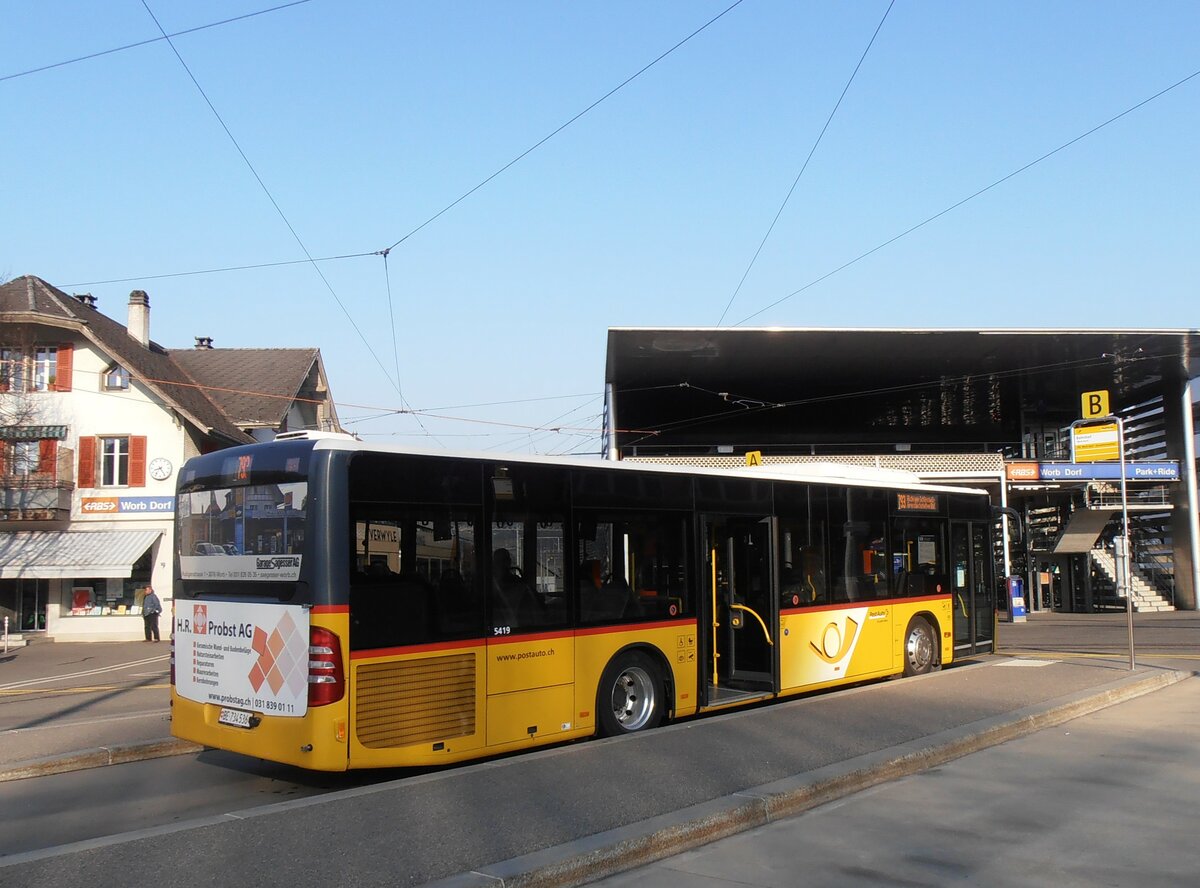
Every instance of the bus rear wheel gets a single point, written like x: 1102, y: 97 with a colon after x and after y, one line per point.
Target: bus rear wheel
x: 919, y: 648
x: 631, y: 696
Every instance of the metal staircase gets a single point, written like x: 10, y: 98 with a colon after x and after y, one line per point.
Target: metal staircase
x: 1144, y: 596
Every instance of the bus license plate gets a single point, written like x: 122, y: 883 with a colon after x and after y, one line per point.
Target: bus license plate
x: 239, y: 718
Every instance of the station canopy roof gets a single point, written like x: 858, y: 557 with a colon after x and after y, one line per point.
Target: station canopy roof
x: 679, y: 387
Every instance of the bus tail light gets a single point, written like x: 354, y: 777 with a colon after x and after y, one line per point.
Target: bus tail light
x: 172, y: 659
x: 326, y: 682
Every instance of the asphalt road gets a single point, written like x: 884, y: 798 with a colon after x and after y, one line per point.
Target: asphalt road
x: 58, y: 698
x: 94, y: 803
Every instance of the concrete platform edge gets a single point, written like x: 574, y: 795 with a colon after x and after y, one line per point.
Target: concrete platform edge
x: 614, y: 851
x: 98, y: 757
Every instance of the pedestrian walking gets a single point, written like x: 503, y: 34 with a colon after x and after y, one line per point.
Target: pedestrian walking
x: 151, y: 608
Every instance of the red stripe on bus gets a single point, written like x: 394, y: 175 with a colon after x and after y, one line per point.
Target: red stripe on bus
x: 634, y: 627
x: 331, y: 608
x: 516, y: 639
x: 881, y: 602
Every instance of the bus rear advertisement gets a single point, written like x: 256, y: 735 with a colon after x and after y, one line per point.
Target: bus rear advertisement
x: 340, y: 605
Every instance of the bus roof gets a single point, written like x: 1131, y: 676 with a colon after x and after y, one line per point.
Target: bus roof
x: 811, y: 473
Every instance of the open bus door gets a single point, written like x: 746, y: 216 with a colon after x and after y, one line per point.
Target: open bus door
x: 742, y: 610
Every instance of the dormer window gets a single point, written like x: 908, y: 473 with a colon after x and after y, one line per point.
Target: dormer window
x: 116, y: 379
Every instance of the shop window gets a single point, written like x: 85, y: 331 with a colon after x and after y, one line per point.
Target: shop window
x: 23, y: 601
x: 110, y: 597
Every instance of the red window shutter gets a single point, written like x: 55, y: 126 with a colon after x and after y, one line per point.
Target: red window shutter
x: 62, y: 373
x: 47, y: 456
x: 137, y: 460
x: 3, y: 452
x: 87, y: 462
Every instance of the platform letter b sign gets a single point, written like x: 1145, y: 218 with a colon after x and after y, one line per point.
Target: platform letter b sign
x: 1095, y: 404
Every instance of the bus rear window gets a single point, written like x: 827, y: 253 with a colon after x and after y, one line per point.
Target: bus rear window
x: 253, y: 532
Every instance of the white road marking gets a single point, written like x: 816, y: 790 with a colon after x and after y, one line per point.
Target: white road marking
x: 103, y: 669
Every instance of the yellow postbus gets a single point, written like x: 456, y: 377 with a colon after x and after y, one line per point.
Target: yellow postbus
x: 340, y: 605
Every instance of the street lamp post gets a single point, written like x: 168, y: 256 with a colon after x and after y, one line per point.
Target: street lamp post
x: 1124, y: 571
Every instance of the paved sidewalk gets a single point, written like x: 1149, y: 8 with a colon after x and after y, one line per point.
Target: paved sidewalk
x: 1106, y: 799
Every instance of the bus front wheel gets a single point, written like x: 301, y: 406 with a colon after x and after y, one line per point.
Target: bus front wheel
x: 631, y: 695
x: 920, y: 650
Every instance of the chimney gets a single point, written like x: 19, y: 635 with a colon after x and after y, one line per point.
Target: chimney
x: 203, y: 342
x: 86, y: 299
x: 139, y: 316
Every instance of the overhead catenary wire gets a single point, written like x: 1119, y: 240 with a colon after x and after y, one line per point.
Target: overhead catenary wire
x: 395, y: 346
x: 115, y: 49
x: 766, y: 308
x: 385, y: 252
x: 175, y: 274
x: 444, y: 210
x: 538, y: 144
x: 971, y: 197
x: 553, y: 430
x: 790, y: 295
x: 804, y: 166
x: 382, y: 412
x: 265, y: 189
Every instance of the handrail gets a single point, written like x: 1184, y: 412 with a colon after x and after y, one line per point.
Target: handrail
x: 742, y: 607
x: 1159, y: 572
x: 715, y: 624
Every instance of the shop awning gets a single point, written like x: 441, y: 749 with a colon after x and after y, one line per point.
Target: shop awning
x: 54, y: 554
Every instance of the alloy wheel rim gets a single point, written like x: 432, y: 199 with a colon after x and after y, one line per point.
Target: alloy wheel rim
x: 633, y: 698
x: 920, y: 649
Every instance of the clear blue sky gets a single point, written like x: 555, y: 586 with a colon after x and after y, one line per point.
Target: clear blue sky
x: 365, y: 119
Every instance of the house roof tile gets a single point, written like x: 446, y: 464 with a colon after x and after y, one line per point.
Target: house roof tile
x: 151, y: 364
x: 254, y: 386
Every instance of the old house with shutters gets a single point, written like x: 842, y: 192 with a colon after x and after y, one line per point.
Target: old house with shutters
x: 95, y: 420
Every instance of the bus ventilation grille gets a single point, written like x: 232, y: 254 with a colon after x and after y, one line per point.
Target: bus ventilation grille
x: 415, y: 701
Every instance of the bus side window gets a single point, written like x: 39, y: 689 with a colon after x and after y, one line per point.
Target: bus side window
x: 527, y: 587
x: 802, y: 571
x: 413, y: 579
x: 632, y: 569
